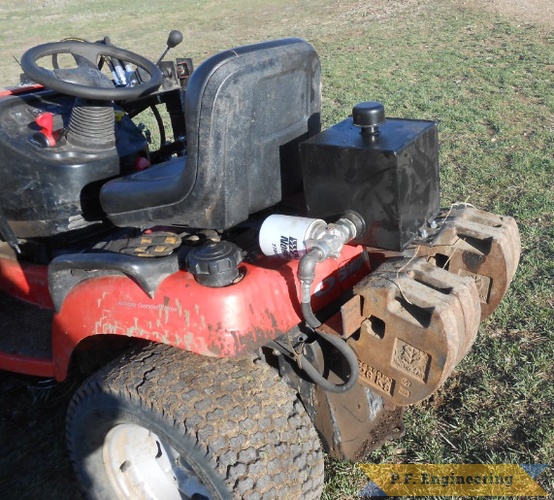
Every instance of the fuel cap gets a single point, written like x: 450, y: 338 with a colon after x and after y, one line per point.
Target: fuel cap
x: 215, y: 264
x: 368, y: 116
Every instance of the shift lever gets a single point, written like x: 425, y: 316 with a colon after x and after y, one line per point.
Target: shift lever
x: 175, y: 38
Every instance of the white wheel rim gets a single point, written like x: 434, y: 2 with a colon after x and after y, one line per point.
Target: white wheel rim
x: 140, y: 465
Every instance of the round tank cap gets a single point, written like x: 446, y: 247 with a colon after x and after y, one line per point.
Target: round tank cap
x: 368, y: 115
x: 215, y: 264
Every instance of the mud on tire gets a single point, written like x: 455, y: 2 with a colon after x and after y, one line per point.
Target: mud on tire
x: 219, y: 428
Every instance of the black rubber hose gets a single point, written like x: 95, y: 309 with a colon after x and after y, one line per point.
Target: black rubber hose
x: 306, y: 274
x: 350, y: 357
x: 309, y: 316
x: 313, y: 373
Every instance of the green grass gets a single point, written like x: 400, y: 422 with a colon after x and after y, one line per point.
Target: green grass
x: 489, y: 82
x: 490, y: 85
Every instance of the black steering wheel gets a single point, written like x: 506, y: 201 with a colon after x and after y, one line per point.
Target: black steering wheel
x: 86, y: 80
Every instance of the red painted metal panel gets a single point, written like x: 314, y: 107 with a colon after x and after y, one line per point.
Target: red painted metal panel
x: 25, y: 281
x: 220, y: 322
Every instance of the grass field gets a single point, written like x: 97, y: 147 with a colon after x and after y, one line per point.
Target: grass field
x: 488, y: 81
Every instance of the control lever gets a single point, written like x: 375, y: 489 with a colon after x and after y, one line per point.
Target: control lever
x: 175, y: 38
x: 45, y: 137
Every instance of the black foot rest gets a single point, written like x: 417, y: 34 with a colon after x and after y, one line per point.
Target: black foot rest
x: 158, y: 244
x: 147, y: 244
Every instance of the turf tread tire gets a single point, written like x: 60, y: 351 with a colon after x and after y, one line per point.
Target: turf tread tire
x: 247, y: 426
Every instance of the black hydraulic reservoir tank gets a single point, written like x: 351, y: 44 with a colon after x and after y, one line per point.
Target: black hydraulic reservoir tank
x: 386, y: 170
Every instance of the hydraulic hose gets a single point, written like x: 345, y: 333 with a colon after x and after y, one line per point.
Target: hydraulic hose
x: 349, y: 356
x: 306, y: 274
x: 327, y: 243
x: 313, y: 373
x: 309, y: 315
x: 320, y: 241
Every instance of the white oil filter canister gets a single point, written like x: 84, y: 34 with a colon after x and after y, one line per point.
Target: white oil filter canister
x: 286, y: 235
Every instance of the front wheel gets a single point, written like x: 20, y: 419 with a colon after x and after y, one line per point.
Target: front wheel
x: 161, y: 423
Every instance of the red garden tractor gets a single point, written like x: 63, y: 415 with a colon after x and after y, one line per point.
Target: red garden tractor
x: 247, y: 294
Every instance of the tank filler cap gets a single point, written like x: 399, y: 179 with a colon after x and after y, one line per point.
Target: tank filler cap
x: 215, y: 264
x: 368, y: 116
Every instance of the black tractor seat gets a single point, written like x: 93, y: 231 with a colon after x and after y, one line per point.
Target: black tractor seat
x: 163, y: 184
x: 246, y: 110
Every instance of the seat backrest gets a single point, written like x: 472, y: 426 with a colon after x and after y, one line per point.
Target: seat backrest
x: 246, y: 110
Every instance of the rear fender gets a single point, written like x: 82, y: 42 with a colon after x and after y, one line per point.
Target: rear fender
x: 217, y: 322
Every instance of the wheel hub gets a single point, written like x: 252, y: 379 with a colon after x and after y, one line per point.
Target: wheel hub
x: 140, y: 465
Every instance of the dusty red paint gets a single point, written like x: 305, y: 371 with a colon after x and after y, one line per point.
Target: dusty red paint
x: 220, y: 322
x: 25, y: 281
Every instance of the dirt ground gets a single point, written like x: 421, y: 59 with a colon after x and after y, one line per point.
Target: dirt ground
x: 533, y: 11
